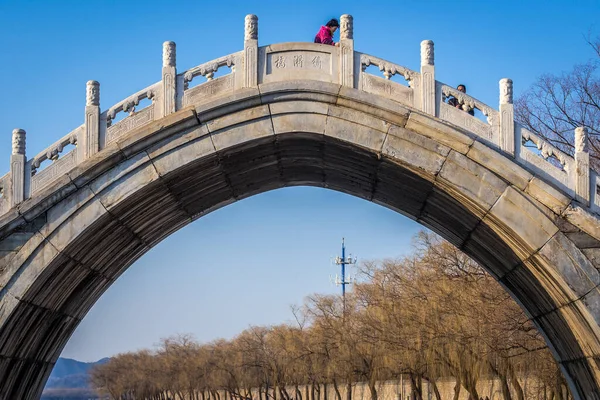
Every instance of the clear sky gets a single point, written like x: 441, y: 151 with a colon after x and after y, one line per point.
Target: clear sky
x: 248, y: 262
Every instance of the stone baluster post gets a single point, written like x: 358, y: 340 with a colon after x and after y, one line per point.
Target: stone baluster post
x: 427, y: 78
x: 507, y: 117
x: 346, y: 49
x: 89, y: 144
x: 17, y: 168
x: 582, y: 166
x: 169, y: 79
x: 250, y: 51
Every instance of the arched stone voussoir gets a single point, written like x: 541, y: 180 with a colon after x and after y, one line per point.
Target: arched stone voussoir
x: 588, y: 372
x: 415, y: 152
x: 356, y: 127
x: 520, y: 223
x: 570, y: 332
x: 561, y: 256
x: 241, y: 127
x: 306, y: 90
x: 475, y: 186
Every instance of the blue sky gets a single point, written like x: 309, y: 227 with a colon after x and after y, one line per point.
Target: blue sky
x: 247, y: 263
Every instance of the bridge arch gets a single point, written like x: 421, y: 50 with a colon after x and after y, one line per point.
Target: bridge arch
x: 65, y: 241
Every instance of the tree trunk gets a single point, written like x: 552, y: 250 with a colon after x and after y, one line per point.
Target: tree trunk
x: 436, y: 391
x: 338, y: 395
x: 504, y: 386
x: 416, y: 387
x: 515, y: 383
x: 373, y: 389
x: 349, y: 390
x: 298, y: 393
x: 306, y: 393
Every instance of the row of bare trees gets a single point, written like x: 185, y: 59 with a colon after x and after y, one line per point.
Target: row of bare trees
x: 429, y: 317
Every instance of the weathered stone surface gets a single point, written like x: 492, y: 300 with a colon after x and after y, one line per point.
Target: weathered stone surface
x: 521, y: 219
x: 472, y: 181
x: 299, y: 116
x: 499, y: 164
x: 439, y: 132
x: 378, y: 106
x: 415, y: 151
x: 547, y: 195
x: 582, y: 219
x: 182, y: 150
x: 356, y: 127
x: 570, y: 264
x: 128, y: 184
x: 155, y: 131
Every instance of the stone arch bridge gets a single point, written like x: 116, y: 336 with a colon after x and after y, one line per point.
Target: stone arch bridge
x: 75, y: 216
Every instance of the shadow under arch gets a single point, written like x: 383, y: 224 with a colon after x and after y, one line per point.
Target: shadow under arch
x: 164, y: 177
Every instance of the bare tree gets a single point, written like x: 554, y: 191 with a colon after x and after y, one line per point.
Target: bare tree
x: 556, y: 104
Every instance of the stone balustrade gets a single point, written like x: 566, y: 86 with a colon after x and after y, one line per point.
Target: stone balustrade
x: 256, y: 65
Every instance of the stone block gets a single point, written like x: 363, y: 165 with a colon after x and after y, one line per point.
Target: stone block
x: 192, y: 150
x: 582, y: 240
x: 62, y: 211
x: 76, y: 224
x: 471, y: 183
x: 91, y: 168
x: 499, y: 164
x: 245, y: 130
x: 570, y: 264
x: 127, y: 184
x: 516, y: 219
x: 418, y: 153
x: 177, y: 140
x: 547, y: 195
x: 304, y: 90
x: 240, y: 100
x: 353, y: 133
x: 299, y: 123
x: 119, y: 171
x: 59, y: 189
x: 582, y: 219
x: 377, y: 106
x: 139, y: 139
x: 298, y: 107
x: 440, y: 132
x: 20, y: 257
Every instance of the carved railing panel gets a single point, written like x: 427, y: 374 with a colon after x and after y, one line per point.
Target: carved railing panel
x: 489, y: 130
x: 384, y: 86
x: 62, y: 161
x: 4, y: 188
x: 558, y: 170
x: 298, y: 61
x: 211, y: 86
x: 135, y: 119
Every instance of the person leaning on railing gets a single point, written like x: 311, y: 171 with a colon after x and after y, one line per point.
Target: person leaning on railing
x: 325, y: 35
x: 453, y: 101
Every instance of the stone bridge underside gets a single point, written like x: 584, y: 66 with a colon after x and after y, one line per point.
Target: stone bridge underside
x: 68, y: 244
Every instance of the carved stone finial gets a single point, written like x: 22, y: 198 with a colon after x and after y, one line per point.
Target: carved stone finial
x: 506, y: 91
x: 427, y: 52
x: 92, y: 93
x: 251, y: 27
x: 346, y: 27
x: 169, y: 54
x: 18, y: 141
x: 581, y: 140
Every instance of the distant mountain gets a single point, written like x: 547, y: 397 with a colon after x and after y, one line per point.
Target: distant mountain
x: 69, y: 379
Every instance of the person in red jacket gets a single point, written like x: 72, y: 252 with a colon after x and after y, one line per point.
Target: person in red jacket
x: 325, y: 35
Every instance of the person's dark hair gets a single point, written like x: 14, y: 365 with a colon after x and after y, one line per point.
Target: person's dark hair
x: 462, y: 86
x: 333, y: 22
